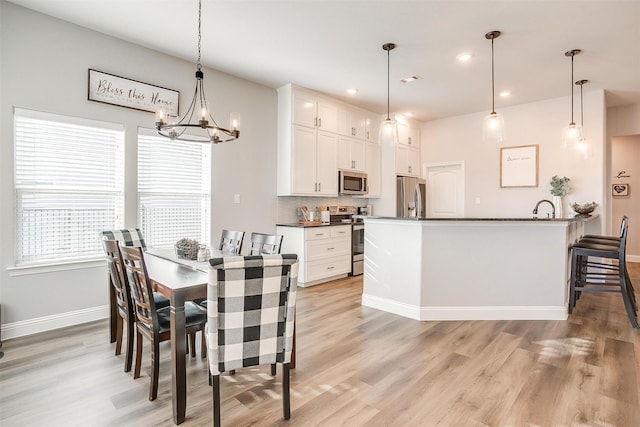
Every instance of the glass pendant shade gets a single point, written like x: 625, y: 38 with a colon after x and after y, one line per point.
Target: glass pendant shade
x: 493, y: 128
x: 572, y: 135
x: 389, y: 132
x: 584, y: 149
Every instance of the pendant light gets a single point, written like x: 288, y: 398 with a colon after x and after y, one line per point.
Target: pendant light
x: 205, y: 129
x: 572, y: 133
x: 389, y: 127
x: 493, y: 129
x: 583, y: 146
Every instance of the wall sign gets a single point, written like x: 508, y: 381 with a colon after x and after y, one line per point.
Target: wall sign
x: 620, y: 189
x: 519, y: 166
x: 112, y: 89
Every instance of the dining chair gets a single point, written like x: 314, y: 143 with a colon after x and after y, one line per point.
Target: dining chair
x: 265, y: 244
x: 151, y: 322
x: 123, y: 300
x: 133, y: 237
x: 231, y: 241
x: 250, y: 317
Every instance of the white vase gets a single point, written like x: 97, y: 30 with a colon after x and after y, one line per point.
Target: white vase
x: 557, y: 203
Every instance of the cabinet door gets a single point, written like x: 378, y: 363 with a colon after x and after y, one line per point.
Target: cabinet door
x: 304, y: 161
x: 304, y: 109
x: 327, y: 164
x: 413, y: 162
x: 344, y: 121
x: 402, y: 160
x: 357, y: 155
x: 414, y: 136
x: 327, y: 116
x: 372, y: 163
x: 358, y: 120
x: 372, y: 128
x: 344, y: 153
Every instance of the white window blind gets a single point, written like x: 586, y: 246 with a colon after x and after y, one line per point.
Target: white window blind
x: 69, y: 182
x: 174, y: 189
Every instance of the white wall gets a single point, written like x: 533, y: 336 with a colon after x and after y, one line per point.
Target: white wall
x: 44, y: 67
x: 460, y: 139
x: 625, y: 160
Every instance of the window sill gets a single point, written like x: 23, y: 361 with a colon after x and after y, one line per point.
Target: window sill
x: 25, y: 270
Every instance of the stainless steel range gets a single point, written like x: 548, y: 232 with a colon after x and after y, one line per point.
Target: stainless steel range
x: 345, y: 215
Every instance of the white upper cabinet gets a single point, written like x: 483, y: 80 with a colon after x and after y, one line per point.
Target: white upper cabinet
x: 408, y: 132
x: 371, y: 127
x: 408, y: 149
x: 314, y: 112
x: 351, y: 154
x: 351, y: 122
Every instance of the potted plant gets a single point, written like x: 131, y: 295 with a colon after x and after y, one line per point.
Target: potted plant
x: 559, y: 189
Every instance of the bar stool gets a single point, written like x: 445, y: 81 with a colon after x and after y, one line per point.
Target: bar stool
x: 589, y: 275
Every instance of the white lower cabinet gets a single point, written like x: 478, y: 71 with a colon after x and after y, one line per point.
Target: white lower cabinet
x: 324, y: 252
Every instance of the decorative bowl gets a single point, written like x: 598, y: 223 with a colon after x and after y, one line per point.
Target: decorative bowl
x: 585, y: 209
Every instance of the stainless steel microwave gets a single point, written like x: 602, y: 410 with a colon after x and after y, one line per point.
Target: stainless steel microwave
x: 352, y: 183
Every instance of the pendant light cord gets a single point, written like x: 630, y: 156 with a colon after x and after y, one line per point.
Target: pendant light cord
x: 493, y: 91
x: 572, y: 55
x: 581, y: 105
x: 199, y: 64
x: 388, y: 73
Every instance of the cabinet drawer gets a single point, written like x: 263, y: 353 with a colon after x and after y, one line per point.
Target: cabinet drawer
x: 321, y: 249
x: 320, y: 269
x: 316, y: 233
x: 341, y: 231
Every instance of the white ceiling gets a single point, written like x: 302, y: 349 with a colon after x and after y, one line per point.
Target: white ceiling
x: 330, y: 46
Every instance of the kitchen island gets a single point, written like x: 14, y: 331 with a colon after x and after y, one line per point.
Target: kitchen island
x: 471, y: 268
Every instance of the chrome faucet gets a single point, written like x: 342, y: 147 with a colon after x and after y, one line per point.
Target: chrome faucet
x: 553, y: 208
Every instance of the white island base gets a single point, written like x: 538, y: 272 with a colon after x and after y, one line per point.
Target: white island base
x: 471, y: 269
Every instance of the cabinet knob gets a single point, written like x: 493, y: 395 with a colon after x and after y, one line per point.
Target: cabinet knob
x: 409, y: 140
x: 320, y: 122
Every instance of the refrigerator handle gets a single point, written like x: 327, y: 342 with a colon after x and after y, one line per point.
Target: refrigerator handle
x: 418, y: 201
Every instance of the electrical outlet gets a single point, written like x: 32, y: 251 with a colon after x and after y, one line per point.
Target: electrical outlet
x: 236, y: 198
x: 477, y: 200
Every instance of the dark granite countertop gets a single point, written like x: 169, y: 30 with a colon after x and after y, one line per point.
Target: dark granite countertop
x: 530, y: 219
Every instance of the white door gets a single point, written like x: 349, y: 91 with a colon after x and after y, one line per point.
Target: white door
x: 445, y: 193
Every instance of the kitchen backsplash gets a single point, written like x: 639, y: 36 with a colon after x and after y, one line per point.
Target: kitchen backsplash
x: 288, y: 206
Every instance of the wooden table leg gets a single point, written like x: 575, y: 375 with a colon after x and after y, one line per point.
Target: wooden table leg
x: 113, y: 312
x: 178, y: 356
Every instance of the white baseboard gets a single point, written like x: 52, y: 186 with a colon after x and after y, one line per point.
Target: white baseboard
x: 633, y: 258
x: 56, y: 321
x: 466, y: 313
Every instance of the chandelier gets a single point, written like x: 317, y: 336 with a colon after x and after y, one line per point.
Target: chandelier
x: 203, y: 128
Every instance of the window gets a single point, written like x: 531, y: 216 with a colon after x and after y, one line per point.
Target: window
x: 174, y: 190
x: 69, y: 185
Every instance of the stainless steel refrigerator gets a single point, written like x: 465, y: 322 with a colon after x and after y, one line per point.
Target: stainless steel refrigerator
x: 411, y: 197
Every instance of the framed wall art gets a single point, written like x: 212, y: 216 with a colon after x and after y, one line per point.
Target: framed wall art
x: 620, y: 189
x: 519, y: 166
x: 123, y: 92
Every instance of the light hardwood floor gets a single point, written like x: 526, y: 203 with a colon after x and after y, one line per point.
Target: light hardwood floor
x: 356, y: 366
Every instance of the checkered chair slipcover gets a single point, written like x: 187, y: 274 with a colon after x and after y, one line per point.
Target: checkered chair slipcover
x: 250, y: 315
x: 126, y: 237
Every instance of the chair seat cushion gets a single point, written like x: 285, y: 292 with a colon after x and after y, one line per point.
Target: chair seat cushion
x: 161, y: 301
x: 194, y: 316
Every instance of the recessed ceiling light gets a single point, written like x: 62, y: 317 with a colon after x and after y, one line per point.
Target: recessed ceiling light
x: 408, y: 113
x: 464, y: 56
x: 409, y: 79
x: 505, y: 94
x: 352, y: 91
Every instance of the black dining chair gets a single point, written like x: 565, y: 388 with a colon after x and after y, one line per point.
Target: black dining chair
x: 250, y: 320
x: 152, y: 322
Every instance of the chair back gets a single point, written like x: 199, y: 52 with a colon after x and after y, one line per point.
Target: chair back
x: 623, y: 224
x: 250, y: 310
x: 126, y: 237
x: 265, y: 244
x: 117, y: 275
x: 141, y: 292
x: 231, y: 241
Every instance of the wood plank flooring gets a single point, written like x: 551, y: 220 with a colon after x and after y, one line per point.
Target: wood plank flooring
x: 356, y: 366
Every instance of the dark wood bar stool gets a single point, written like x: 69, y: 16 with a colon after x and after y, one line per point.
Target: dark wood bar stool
x: 590, y: 275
